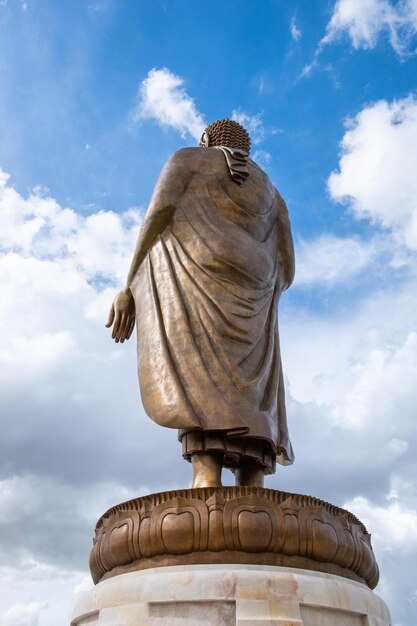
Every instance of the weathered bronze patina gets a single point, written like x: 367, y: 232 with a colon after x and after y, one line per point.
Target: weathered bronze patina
x: 232, y: 525
x: 214, y: 254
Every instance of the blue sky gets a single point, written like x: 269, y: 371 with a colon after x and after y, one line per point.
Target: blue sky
x: 72, y: 72
x: 94, y: 97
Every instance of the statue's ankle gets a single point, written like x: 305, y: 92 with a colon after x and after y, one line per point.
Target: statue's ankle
x: 249, y: 476
x: 207, y: 470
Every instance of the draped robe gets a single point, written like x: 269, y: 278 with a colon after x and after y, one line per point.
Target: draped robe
x: 206, y: 296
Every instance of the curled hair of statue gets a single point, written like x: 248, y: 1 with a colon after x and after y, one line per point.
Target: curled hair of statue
x: 227, y: 133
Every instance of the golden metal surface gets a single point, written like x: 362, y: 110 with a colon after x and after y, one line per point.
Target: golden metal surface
x: 207, y: 469
x: 214, y: 254
x: 232, y: 525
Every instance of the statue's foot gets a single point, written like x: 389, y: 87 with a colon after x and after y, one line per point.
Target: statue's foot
x: 207, y: 470
x: 249, y: 475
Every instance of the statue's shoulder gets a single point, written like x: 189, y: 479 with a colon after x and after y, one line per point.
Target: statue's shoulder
x: 194, y: 159
x: 183, y: 159
x: 184, y: 155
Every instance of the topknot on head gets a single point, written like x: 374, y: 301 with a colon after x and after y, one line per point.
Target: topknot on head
x: 227, y: 133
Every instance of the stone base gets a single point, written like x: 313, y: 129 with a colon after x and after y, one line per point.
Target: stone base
x: 229, y: 595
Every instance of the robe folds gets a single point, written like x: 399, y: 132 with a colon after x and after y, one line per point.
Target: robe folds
x: 206, y: 297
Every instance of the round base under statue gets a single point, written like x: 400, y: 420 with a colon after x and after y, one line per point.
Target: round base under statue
x: 235, y: 525
x: 229, y: 595
x: 229, y: 556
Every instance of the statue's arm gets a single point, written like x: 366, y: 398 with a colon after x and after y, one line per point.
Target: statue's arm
x: 285, y: 243
x: 156, y: 220
x: 171, y: 184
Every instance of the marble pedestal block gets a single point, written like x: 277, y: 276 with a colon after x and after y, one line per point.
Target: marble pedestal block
x: 229, y: 595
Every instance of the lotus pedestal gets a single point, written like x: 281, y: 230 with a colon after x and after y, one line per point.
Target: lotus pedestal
x: 231, y: 556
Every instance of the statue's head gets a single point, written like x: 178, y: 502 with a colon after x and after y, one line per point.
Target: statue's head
x: 226, y: 133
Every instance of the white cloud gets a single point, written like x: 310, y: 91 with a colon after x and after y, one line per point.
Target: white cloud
x: 47, y: 594
x: 376, y: 175
x: 54, y: 554
x: 294, y: 30
x: 38, y: 228
x: 46, y: 349
x: 262, y: 158
x: 162, y: 97
x: 23, y: 4
x: 85, y: 584
x: 365, y: 20
x: 54, y: 267
x: 328, y: 259
x: 395, y: 525
x: 261, y: 85
x: 359, y: 367
x: 69, y: 399
x: 28, y: 499
x: 17, y: 498
x: 21, y: 614
x: 382, y: 383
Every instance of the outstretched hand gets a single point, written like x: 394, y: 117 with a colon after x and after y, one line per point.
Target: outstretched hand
x: 122, y: 316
